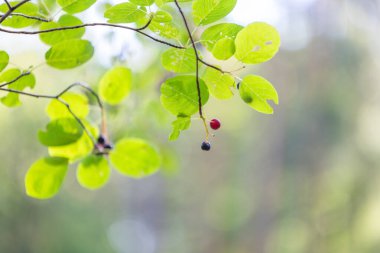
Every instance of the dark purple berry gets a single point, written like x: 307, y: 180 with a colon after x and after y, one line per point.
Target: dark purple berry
x: 206, y: 146
x: 215, y: 124
x: 101, y: 140
x: 108, y: 146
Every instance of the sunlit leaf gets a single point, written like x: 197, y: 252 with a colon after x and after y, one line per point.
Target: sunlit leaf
x: 44, y: 178
x: 257, y: 43
x: 4, y: 60
x: 135, y: 158
x: 179, y: 95
x: 10, y: 75
x: 75, y: 6
x: 69, y: 54
x: 125, y: 13
x: 224, y: 49
x: 115, y: 85
x: 142, y: 2
x: 93, y: 172
x: 208, y: 11
x: 79, y: 149
x: 14, y: 21
x: 219, y: 84
x: 160, y: 3
x: 55, y: 37
x: 162, y: 16
x: 78, y: 104
x: 60, y: 132
x: 179, y: 60
x: 165, y: 29
x: 219, y: 39
x: 180, y: 124
x: 256, y: 91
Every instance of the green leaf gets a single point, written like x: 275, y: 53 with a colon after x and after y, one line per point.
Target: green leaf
x: 255, y: 91
x: 55, y: 37
x: 162, y: 17
x: 125, y: 13
x: 21, y: 83
x: 60, y: 132
x: 160, y: 3
x: 78, y: 149
x: 12, y: 99
x: 219, y: 39
x: 179, y: 95
x: 115, y: 85
x: 29, y: 9
x: 257, y: 43
x: 75, y: 6
x: 4, y: 60
x: 44, y: 178
x: 167, y: 29
x: 78, y: 104
x: 135, y: 158
x: 180, y: 124
x: 179, y: 60
x: 224, y: 49
x: 219, y: 85
x: 93, y: 172
x: 69, y: 54
x: 208, y: 11
x: 142, y: 2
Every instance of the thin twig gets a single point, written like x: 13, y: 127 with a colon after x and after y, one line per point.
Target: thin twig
x: 98, y: 100
x: 77, y: 119
x: 9, y: 6
x: 197, y: 69
x: 138, y: 30
x: 197, y: 58
x: 212, y: 66
x: 29, y: 17
x: 15, y: 80
x: 58, y: 98
x: 221, y: 70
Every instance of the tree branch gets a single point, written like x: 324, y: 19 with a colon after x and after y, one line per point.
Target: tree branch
x: 138, y: 30
x: 29, y: 17
x: 7, y: 3
x: 15, y: 80
x: 59, y: 99
x: 98, y: 100
x: 212, y: 66
x: 198, y: 59
x: 12, y: 9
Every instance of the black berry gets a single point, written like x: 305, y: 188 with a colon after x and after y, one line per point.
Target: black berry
x: 215, y: 124
x: 206, y: 146
x: 108, y: 146
x: 101, y: 140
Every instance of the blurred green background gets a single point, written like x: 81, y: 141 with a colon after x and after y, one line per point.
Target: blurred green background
x: 306, y: 179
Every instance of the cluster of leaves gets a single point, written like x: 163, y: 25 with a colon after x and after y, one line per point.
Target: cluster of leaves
x: 71, y: 137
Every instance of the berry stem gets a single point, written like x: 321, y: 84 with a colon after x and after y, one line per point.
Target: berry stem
x: 206, y: 128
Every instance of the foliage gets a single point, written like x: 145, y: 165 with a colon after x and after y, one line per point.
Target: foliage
x: 72, y: 138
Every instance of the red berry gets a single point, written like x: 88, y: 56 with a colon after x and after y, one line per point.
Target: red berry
x: 215, y: 124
